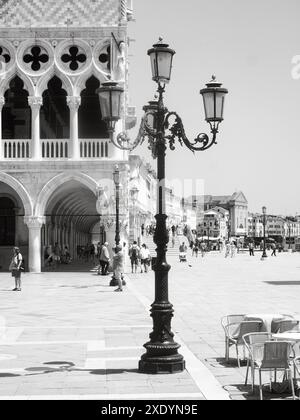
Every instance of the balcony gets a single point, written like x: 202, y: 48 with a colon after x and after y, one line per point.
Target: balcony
x: 16, y: 149
x: 56, y: 149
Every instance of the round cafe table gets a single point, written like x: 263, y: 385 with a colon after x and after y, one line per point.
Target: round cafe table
x: 266, y: 319
x: 293, y: 336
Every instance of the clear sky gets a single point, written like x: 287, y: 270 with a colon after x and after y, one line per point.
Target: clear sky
x: 249, y: 45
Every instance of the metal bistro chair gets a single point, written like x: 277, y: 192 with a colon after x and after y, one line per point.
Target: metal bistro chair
x: 285, y: 325
x: 234, y: 332
x: 254, y: 343
x: 275, y: 357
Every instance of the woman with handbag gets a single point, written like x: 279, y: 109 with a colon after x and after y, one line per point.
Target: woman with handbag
x: 15, y: 268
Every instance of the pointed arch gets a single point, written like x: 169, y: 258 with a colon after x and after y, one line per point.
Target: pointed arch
x: 5, y: 82
x: 20, y: 190
x: 81, y: 81
x: 42, y: 84
x: 57, y: 181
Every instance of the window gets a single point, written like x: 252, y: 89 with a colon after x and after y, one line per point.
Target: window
x: 55, y: 113
x: 16, y: 114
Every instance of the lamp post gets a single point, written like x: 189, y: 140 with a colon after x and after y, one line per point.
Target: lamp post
x: 100, y: 192
x: 264, y: 254
x: 162, y: 128
x: 134, y: 192
x: 208, y: 244
x: 228, y: 227
x: 289, y: 228
x: 116, y: 178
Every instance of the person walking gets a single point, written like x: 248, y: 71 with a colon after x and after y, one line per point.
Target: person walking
x: 56, y: 255
x: 196, y: 249
x: 104, y: 259
x: 15, y: 268
x: 273, y: 247
x: 145, y: 258
x: 233, y: 248
x: 202, y: 248
x: 134, y: 252
x: 227, y: 249
x: 251, y: 249
x: 118, y: 267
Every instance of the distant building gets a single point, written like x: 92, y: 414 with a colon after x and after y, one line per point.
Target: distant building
x: 236, y: 205
x: 214, y: 224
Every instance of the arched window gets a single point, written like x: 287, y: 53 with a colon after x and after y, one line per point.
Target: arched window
x: 7, y: 222
x: 55, y: 113
x: 16, y: 113
x: 91, y: 125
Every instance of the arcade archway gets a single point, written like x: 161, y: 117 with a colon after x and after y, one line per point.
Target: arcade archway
x: 70, y: 219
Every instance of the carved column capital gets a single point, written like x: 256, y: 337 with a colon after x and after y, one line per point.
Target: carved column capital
x: 35, y: 102
x: 74, y: 102
x: 34, y: 222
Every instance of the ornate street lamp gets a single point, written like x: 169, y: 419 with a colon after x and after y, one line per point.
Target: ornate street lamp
x: 100, y: 192
x: 116, y: 178
x: 163, y: 128
x: 134, y: 192
x: 264, y: 254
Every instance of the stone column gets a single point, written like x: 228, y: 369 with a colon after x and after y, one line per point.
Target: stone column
x: 2, y: 102
x: 34, y: 256
x: 35, y: 103
x: 74, y: 103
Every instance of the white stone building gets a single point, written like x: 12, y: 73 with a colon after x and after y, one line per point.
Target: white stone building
x: 55, y: 151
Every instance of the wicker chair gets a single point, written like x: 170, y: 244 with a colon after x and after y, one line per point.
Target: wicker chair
x: 273, y: 356
x: 235, y: 330
x: 254, y: 343
x: 285, y: 325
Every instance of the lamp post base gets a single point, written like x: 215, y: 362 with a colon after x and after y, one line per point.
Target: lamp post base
x: 264, y: 256
x: 157, y: 360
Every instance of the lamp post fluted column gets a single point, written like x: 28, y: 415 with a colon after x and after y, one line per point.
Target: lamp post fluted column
x: 161, y: 351
x: 264, y: 254
x: 116, y: 176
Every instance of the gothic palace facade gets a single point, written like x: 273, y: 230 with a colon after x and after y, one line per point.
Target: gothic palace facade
x: 55, y: 152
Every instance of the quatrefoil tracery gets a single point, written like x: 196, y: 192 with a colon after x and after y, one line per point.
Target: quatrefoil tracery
x: 74, y: 58
x: 37, y: 57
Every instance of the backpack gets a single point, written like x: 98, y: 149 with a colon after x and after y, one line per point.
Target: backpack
x: 134, y: 253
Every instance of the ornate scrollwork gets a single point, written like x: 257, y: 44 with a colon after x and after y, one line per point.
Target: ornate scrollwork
x: 123, y: 142
x: 201, y: 142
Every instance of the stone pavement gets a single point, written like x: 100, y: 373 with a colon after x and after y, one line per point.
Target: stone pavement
x: 205, y: 289
x: 68, y: 335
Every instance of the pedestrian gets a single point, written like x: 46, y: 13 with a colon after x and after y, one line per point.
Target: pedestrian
x: 145, y: 258
x: 195, y: 250
x: 134, y: 252
x: 118, y: 267
x: 143, y: 229
x: 202, y: 248
x: 56, y: 254
x: 233, y: 249
x: 273, y: 247
x: 173, y: 241
x: 104, y: 259
x: 15, y: 268
x: 227, y: 249
x: 173, y: 228
x: 251, y: 249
